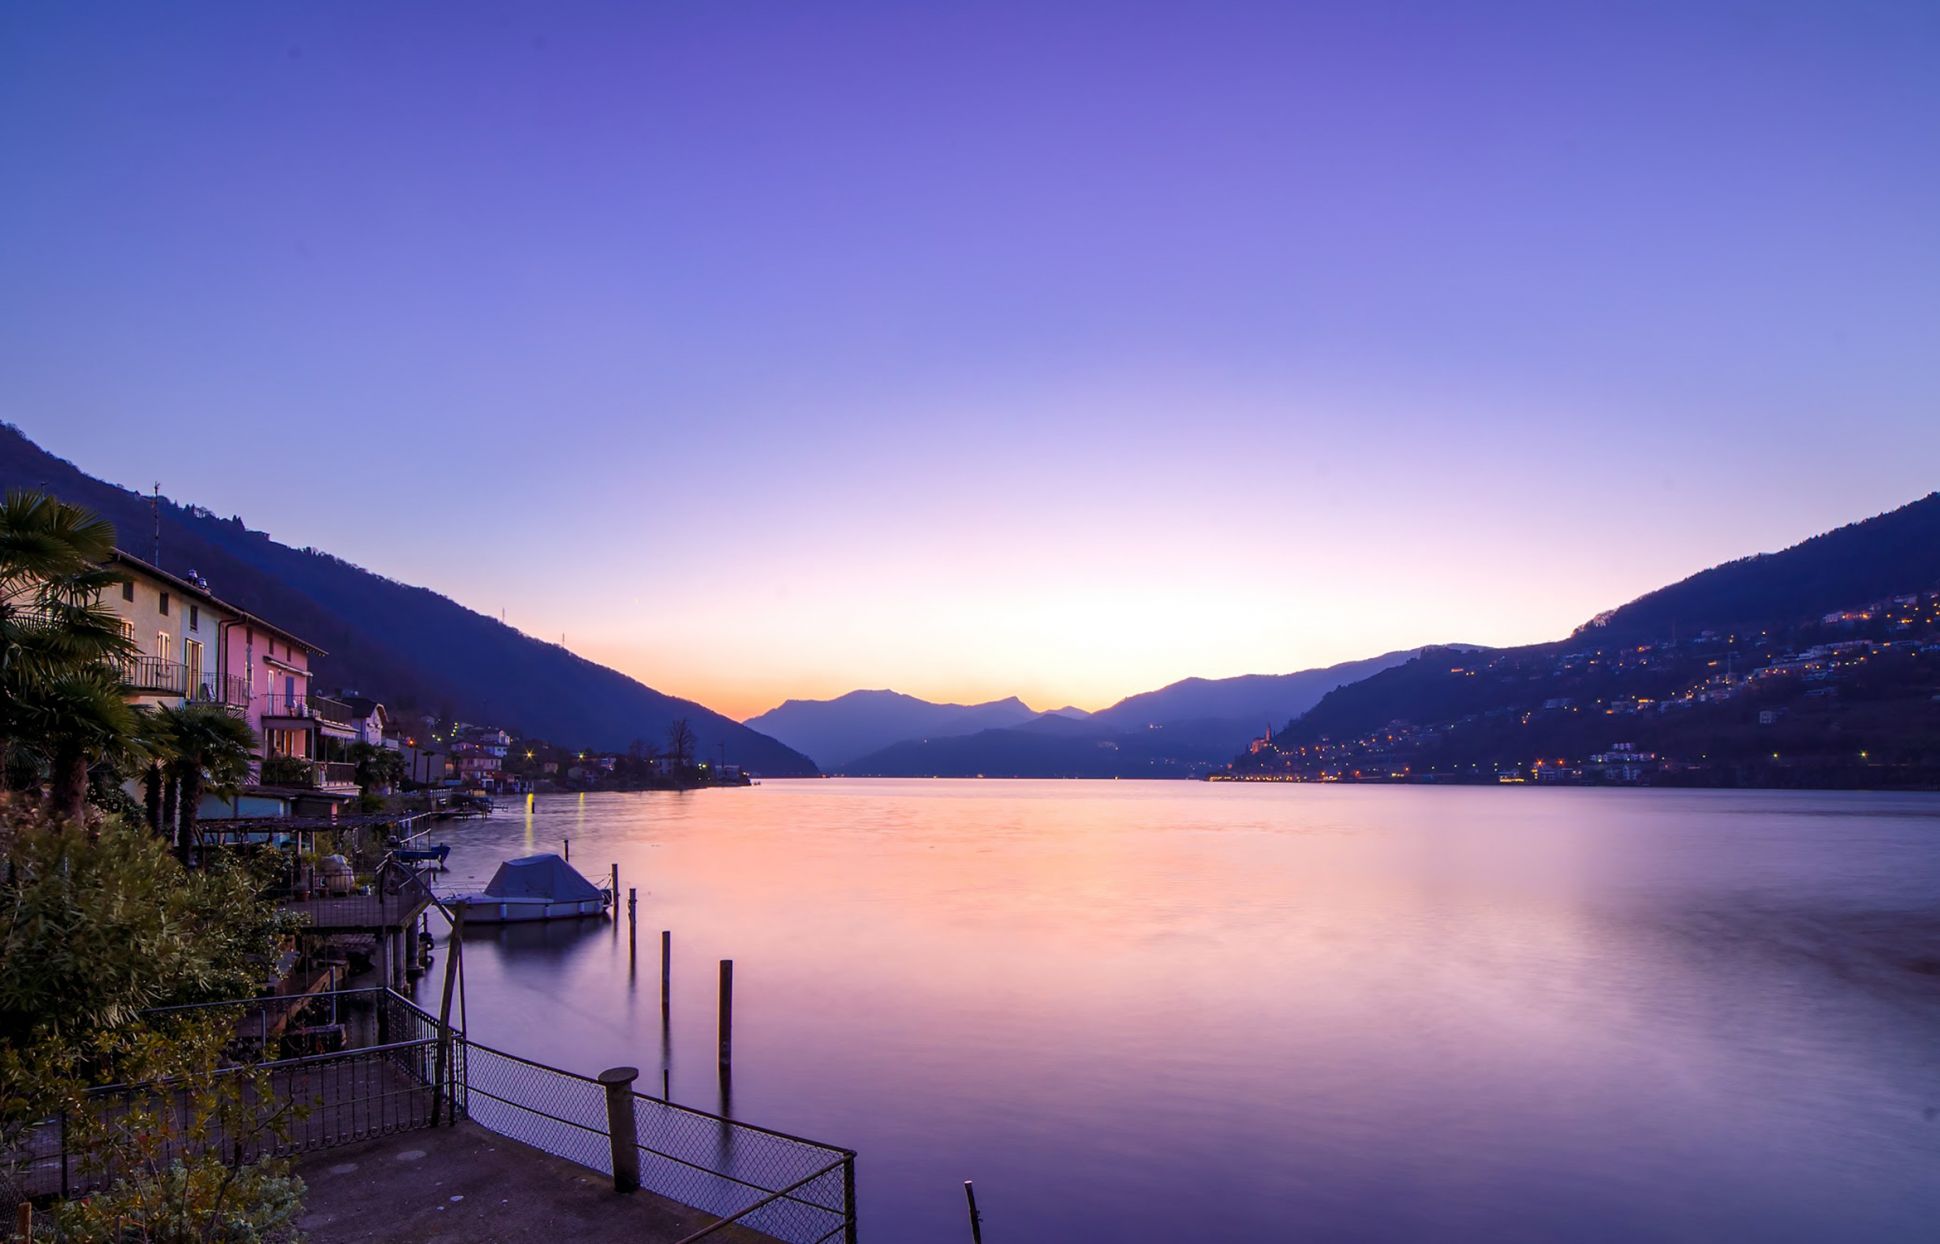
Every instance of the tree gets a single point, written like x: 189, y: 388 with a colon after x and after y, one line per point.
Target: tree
x: 157, y: 742
x: 82, y: 720
x: 59, y: 685
x: 212, y: 749
x: 379, y: 769
x: 681, y: 742
x: 94, y: 929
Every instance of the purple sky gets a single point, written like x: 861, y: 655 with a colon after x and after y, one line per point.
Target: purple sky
x: 1065, y: 350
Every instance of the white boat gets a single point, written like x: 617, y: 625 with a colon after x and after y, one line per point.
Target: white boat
x: 535, y: 887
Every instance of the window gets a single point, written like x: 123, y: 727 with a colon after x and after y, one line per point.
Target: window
x: 195, y: 617
x: 162, y: 645
x: 127, y: 589
x: 165, y: 604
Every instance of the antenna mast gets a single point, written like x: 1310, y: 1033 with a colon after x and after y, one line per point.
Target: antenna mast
x: 155, y: 504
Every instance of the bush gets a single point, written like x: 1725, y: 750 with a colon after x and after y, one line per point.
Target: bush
x: 94, y: 928
x: 289, y: 771
x: 201, y: 1201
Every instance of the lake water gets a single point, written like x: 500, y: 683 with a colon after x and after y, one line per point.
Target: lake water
x: 1179, y: 1011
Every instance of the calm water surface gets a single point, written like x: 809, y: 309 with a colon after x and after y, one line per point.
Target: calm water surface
x: 1176, y: 1011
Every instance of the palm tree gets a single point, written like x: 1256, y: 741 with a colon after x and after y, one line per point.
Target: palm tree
x: 212, y: 749
x: 378, y: 768
x: 82, y: 720
x: 57, y: 644
x: 155, y: 736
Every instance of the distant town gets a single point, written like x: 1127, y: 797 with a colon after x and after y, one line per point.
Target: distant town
x: 322, y: 749
x: 1844, y: 699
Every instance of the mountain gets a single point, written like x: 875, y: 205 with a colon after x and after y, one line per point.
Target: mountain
x: 1250, y: 702
x: 407, y: 646
x: 834, y: 732
x: 1177, y: 731
x: 1047, y: 747
x: 1815, y: 666
x: 1888, y: 555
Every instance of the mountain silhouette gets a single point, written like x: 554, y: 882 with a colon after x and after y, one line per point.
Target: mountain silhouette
x: 406, y: 646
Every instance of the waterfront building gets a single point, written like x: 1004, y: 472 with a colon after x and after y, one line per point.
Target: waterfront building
x: 179, y: 631
x: 194, y: 647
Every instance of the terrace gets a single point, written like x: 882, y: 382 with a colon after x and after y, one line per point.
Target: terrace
x: 410, y: 1131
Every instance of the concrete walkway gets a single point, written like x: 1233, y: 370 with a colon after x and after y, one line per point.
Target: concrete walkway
x: 465, y: 1185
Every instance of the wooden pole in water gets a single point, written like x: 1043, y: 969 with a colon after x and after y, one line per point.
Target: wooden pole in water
x: 666, y: 974
x: 727, y: 1013
x: 568, y: 842
x: 616, y: 883
x: 976, y: 1219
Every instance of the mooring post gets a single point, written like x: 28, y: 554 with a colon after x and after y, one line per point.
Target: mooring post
x: 568, y: 843
x: 616, y: 883
x: 976, y: 1219
x: 620, y: 1128
x: 666, y: 974
x: 727, y: 1013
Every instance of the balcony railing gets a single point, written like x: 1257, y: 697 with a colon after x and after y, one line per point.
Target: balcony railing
x: 155, y: 675
x: 336, y: 773
x: 161, y: 676
x: 226, y: 689
x: 307, y: 706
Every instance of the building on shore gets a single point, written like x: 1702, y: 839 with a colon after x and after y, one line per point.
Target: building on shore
x: 192, y: 647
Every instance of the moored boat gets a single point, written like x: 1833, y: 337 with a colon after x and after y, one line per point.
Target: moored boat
x: 534, y: 887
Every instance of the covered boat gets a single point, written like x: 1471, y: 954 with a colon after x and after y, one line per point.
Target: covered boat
x: 535, y: 887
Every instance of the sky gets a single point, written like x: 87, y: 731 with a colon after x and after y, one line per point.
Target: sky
x: 770, y: 350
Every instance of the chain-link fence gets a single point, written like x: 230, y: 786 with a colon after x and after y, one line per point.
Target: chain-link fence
x: 791, y: 1189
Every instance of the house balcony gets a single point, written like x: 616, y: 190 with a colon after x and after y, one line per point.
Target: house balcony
x: 336, y: 777
x: 306, y: 707
x: 141, y: 675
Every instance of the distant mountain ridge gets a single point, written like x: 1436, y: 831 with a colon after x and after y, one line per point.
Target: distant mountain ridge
x: 404, y: 645
x: 1178, y: 730
x: 834, y: 732
x: 1812, y: 666
x: 1890, y: 553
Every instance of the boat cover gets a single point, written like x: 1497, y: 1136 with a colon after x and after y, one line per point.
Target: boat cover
x: 540, y: 876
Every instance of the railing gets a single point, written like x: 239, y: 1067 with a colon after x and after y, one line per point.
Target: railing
x: 228, y: 689
x: 307, y: 706
x: 276, y: 1108
x: 397, y: 891
x: 789, y: 1189
x: 161, y: 676
x: 336, y: 773
x: 154, y: 674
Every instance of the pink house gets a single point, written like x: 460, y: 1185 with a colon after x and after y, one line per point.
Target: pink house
x: 282, y: 710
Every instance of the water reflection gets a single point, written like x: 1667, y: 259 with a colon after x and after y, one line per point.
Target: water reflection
x: 1142, y: 1011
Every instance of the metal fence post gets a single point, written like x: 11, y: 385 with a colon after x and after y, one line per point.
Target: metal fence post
x: 848, y: 1199
x: 621, y: 1130
x: 976, y: 1219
